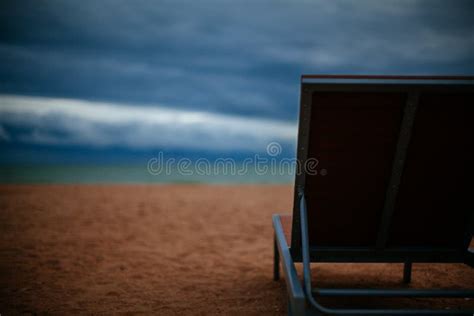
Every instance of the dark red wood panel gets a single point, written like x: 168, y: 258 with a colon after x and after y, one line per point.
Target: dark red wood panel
x: 353, y: 135
x: 436, y: 191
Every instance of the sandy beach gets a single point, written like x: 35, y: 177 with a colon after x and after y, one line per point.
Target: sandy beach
x: 165, y: 250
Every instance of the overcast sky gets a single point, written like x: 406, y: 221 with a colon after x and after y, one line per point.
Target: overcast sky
x: 210, y: 75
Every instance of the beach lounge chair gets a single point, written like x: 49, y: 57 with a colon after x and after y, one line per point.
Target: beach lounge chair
x: 389, y: 180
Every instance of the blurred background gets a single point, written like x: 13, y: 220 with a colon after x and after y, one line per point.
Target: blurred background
x: 90, y: 91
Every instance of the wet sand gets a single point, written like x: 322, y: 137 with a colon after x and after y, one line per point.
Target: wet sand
x: 165, y: 250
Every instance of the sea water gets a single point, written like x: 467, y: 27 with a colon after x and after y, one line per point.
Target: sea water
x: 59, y: 174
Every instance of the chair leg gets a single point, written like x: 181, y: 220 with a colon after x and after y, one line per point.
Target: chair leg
x: 298, y: 309
x: 407, y: 272
x: 276, y: 261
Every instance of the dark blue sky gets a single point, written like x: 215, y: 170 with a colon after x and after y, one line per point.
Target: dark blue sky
x: 210, y: 76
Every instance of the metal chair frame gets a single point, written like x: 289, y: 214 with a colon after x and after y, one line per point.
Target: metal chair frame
x: 302, y: 297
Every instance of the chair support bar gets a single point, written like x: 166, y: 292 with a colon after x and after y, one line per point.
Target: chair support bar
x: 393, y: 292
x: 361, y: 292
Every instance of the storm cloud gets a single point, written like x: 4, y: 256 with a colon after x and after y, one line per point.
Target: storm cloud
x: 236, y: 61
